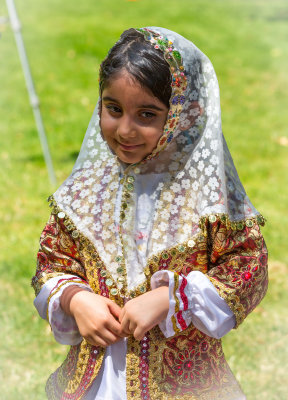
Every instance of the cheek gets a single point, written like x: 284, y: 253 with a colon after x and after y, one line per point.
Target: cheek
x: 107, y: 125
x: 158, y: 136
x: 159, y: 129
x: 153, y: 138
x: 158, y: 133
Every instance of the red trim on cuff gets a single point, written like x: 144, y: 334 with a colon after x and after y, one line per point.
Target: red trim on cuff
x: 181, y: 320
x: 182, y: 293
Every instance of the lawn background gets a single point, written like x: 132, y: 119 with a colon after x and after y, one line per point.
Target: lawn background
x: 247, y: 44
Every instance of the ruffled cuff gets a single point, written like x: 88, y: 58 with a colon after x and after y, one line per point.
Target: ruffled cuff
x: 193, y: 299
x: 47, y: 303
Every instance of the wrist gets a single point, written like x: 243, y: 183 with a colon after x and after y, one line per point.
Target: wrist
x: 163, y: 291
x: 67, y: 296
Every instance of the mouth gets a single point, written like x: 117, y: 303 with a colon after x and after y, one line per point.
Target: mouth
x: 129, y: 147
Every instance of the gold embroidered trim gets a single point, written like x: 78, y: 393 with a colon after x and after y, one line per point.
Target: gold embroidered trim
x: 125, y: 204
x: 174, y: 324
x: 173, y: 318
x: 176, y: 284
x: 38, y: 282
x: 132, y: 371
x: 234, y: 225
x: 82, y: 363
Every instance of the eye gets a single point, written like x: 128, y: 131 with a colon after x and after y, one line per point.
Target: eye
x: 148, y: 114
x: 113, y: 109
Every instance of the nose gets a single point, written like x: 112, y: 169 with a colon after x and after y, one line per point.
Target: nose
x: 126, y: 128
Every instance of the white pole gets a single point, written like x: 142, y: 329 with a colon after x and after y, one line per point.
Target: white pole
x: 34, y: 101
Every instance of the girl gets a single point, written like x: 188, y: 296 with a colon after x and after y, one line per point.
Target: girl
x: 153, y: 250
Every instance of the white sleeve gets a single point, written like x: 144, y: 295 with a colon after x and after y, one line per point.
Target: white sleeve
x: 47, y: 303
x: 193, y: 299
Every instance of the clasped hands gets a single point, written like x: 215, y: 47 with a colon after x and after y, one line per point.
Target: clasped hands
x: 102, y: 322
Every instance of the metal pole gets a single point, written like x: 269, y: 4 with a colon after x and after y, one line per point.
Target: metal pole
x: 34, y: 101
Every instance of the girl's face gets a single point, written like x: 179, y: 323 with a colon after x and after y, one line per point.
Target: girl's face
x: 132, y: 118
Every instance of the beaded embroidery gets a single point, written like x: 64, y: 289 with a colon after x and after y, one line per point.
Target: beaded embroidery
x: 179, y: 85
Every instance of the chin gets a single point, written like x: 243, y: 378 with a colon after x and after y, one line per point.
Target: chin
x: 129, y: 160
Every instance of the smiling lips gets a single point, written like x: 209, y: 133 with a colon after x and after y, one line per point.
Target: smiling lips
x: 129, y: 147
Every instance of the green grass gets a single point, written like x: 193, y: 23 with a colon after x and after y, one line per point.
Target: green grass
x: 247, y: 43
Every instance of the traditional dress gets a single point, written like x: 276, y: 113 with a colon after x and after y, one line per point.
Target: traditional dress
x: 180, y: 217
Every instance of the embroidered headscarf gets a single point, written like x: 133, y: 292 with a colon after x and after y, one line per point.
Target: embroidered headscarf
x: 132, y: 214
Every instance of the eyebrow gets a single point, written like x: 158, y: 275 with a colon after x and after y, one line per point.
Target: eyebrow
x: 151, y: 106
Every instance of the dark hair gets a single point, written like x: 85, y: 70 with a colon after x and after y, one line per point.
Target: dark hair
x: 140, y: 59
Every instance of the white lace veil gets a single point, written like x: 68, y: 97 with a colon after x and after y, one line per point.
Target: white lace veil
x: 162, y: 199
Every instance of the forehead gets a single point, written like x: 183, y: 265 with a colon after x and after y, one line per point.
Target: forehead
x: 125, y: 87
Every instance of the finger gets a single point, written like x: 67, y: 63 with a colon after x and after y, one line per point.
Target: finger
x: 121, y: 315
x: 132, y: 327
x: 125, y: 326
x: 105, y: 338
x: 114, y: 326
x: 109, y: 337
x: 114, y: 309
x: 96, y: 341
x: 139, y: 333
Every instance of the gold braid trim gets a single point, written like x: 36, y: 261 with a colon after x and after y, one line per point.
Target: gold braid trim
x: 173, y: 318
x: 176, y: 284
x: 225, y: 220
x: 174, y: 323
x: 38, y: 282
x: 82, y: 362
x: 82, y: 365
x: 132, y: 371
